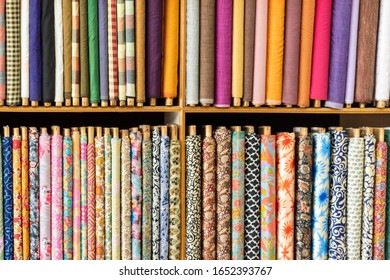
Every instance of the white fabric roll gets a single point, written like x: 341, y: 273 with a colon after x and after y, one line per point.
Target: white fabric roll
x: 24, y: 48
x: 59, y: 50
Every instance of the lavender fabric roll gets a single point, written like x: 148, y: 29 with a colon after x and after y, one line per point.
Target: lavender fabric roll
x: 341, y: 21
x: 154, y: 21
x: 35, y: 50
x: 223, y: 52
x: 103, y: 45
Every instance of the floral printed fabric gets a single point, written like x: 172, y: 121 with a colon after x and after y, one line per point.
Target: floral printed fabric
x: 285, y: 179
x: 91, y: 202
x: 125, y: 199
x: 17, y: 196
x: 76, y: 203
x: 25, y: 200
x: 8, y: 212
x: 107, y: 197
x: 164, y: 197
x: 84, y: 195
x: 387, y: 249
x: 99, y: 162
x: 67, y: 165
x: 156, y: 140
x: 147, y: 199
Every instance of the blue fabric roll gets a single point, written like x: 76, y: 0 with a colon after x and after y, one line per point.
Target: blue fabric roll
x: 35, y: 49
x: 8, y: 211
x: 164, y: 197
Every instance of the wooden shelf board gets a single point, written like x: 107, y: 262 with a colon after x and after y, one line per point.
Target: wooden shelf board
x: 54, y: 109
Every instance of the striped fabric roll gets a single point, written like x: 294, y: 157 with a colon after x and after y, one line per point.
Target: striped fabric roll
x: 67, y: 167
x: 24, y: 49
x: 17, y: 196
x: 8, y: 198
x: 107, y: 197
x: 249, y: 44
x: 84, y: 54
x: 93, y: 45
x: 146, y: 198
x: 91, y: 200
x: 103, y: 49
x: 125, y: 196
x: 238, y: 49
x: 164, y: 197
x: 76, y: 195
x: 156, y: 141
x: 112, y: 51
x: 140, y: 50
x: 100, y: 195
x: 67, y: 30
x: 116, y: 198
x: 59, y: 52
x: 25, y: 195
x: 84, y: 195
x: 3, y: 63
x: 75, y: 48
x: 121, y: 37
x: 35, y: 50
x: 130, y: 48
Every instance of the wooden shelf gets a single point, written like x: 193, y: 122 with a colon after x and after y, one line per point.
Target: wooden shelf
x: 54, y: 109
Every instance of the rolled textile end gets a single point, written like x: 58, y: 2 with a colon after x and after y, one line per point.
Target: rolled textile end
x: 24, y: 101
x: 265, y: 130
x: 192, y: 130
x: 76, y: 101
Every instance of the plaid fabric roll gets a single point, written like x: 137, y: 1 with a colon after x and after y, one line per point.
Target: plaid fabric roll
x: 17, y: 196
x: 125, y: 199
x: 116, y: 198
x: 99, y: 163
x: 112, y: 52
x: 8, y: 214
x: 25, y: 200
x: 174, y: 200
x: 121, y: 49
x: 75, y: 48
x: 67, y: 167
x: 146, y: 199
x: 91, y: 202
x: 76, y: 203
x: 164, y: 197
x: 3, y: 72
x: 12, y: 15
x: 130, y: 49
x: 156, y: 141
x: 107, y: 197
x: 84, y: 196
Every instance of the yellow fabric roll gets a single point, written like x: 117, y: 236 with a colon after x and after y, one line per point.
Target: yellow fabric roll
x: 275, y: 51
x: 238, y: 49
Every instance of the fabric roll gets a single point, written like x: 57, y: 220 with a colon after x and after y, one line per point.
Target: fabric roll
x: 75, y: 48
x: 84, y: 195
x: 260, y: 55
x: 24, y: 48
x: 192, y: 52
x: 99, y: 163
x: 208, y: 198
x: 146, y: 199
x: 306, y: 52
x: 93, y: 45
x: 366, y: 51
x: 35, y: 51
x: 285, y: 179
x: 380, y: 201
x: 125, y: 195
x: 238, y: 194
x: 8, y: 200
x: 338, y: 61
x: 1, y: 208
x: 238, y: 49
x: 249, y: 43
x: 44, y: 197
x: 291, y: 51
x: 382, y: 82
x: 76, y: 203
x: 174, y: 200
x: 164, y: 197
x: 107, y: 197
x: 321, y: 50
x: 303, y: 195
x: 224, y: 150
x: 193, y: 193
x: 368, y: 197
x: 116, y: 198
x: 59, y: 52
x: 67, y: 40
x: 12, y: 34
x: 112, y: 51
x: 252, y: 197
x: 91, y: 202
x: 353, y: 37
x: 223, y: 52
x: 130, y: 48
x: 136, y: 194
x: 207, y: 50
x: 154, y: 19
x: 171, y: 48
x: 67, y: 167
x: 355, y: 197
x: 387, y: 249
x: 103, y: 49
x: 17, y: 196
x: 320, y: 216
x: 121, y: 37
x: 84, y: 55
x: 156, y: 141
x: 34, y: 193
x: 3, y: 65
x: 25, y: 200
x: 140, y: 50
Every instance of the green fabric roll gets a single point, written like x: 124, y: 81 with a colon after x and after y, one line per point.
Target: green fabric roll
x: 84, y: 61
x: 387, y: 245
x: 93, y: 51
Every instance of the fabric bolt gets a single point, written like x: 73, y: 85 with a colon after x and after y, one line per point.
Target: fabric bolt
x: 238, y: 49
x: 303, y: 195
x: 17, y: 196
x: 103, y: 49
x: 107, y: 197
x: 140, y: 50
x: 338, y: 61
x: 206, y: 49
x: 223, y: 192
x: 75, y: 48
x: 67, y: 167
x: 59, y: 52
x: 223, y: 52
x: 84, y: 195
x: 192, y: 52
x: 154, y: 41
x: 249, y: 43
x: 252, y: 197
x: 99, y: 163
x: 84, y: 55
x: 8, y: 200
x: 25, y: 200
x: 193, y: 194
x: 387, y: 249
x: 1, y: 208
x: 116, y: 198
x: 121, y: 37
x: 45, y: 195
x: 238, y: 194
x: 76, y: 202
x: 355, y: 197
x: 3, y: 65
x: 285, y: 184
x: 351, y: 69
x: 164, y: 198
x: 291, y: 52
x: 174, y: 200
x: 67, y: 40
x: 368, y: 197
x: 156, y: 141
x: 380, y: 201
x: 320, y: 216
x: 112, y: 51
x: 12, y: 61
x: 24, y: 48
x: 130, y: 48
x: 125, y: 193
x: 146, y: 199
x: 260, y: 55
x: 208, y: 198
x: 91, y: 201
x: 136, y: 194
x: 35, y: 51
x: 34, y: 192
x: 93, y: 45
x: 366, y: 51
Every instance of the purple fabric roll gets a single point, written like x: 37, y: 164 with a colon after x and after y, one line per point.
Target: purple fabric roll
x: 339, y: 46
x: 103, y: 44
x: 154, y: 22
x: 223, y: 52
x: 35, y: 50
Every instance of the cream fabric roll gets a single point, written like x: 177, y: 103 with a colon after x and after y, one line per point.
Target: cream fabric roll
x: 116, y: 198
x: 59, y: 51
x: 24, y: 44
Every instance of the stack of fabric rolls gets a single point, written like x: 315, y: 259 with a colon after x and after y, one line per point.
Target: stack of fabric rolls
x: 294, y: 195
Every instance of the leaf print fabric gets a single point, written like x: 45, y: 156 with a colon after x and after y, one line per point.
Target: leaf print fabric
x: 8, y: 200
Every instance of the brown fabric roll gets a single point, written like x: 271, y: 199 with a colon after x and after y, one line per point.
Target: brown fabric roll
x: 84, y: 57
x: 249, y: 43
x: 67, y: 29
x: 140, y: 50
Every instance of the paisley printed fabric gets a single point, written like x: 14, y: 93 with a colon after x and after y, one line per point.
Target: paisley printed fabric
x: 380, y: 202
x: 252, y: 197
x: 238, y: 194
x: 116, y: 198
x: 91, y: 202
x: 25, y: 200
x: 8, y: 200
x: 17, y: 196
x: 303, y: 196
x: 125, y: 199
x: 174, y: 200
x: 156, y: 141
x: 268, y: 197
x: 1, y: 209
x: 164, y: 197
x: 224, y: 150
x: 76, y: 203
x: 285, y: 179
x: 147, y: 199
x: 368, y: 196
x: 208, y: 194
x: 99, y: 163
x: 193, y: 194
x: 107, y: 197
x: 355, y: 197
x: 387, y: 249
x: 320, y: 218
x: 338, y: 195
x: 84, y: 196
x: 34, y: 193
x: 67, y: 165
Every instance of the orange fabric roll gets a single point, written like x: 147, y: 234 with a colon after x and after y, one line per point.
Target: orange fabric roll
x: 238, y: 49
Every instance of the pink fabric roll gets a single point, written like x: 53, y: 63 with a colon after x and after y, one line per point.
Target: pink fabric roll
x: 91, y: 202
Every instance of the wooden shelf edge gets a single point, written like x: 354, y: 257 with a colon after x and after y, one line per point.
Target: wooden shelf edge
x: 54, y: 109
